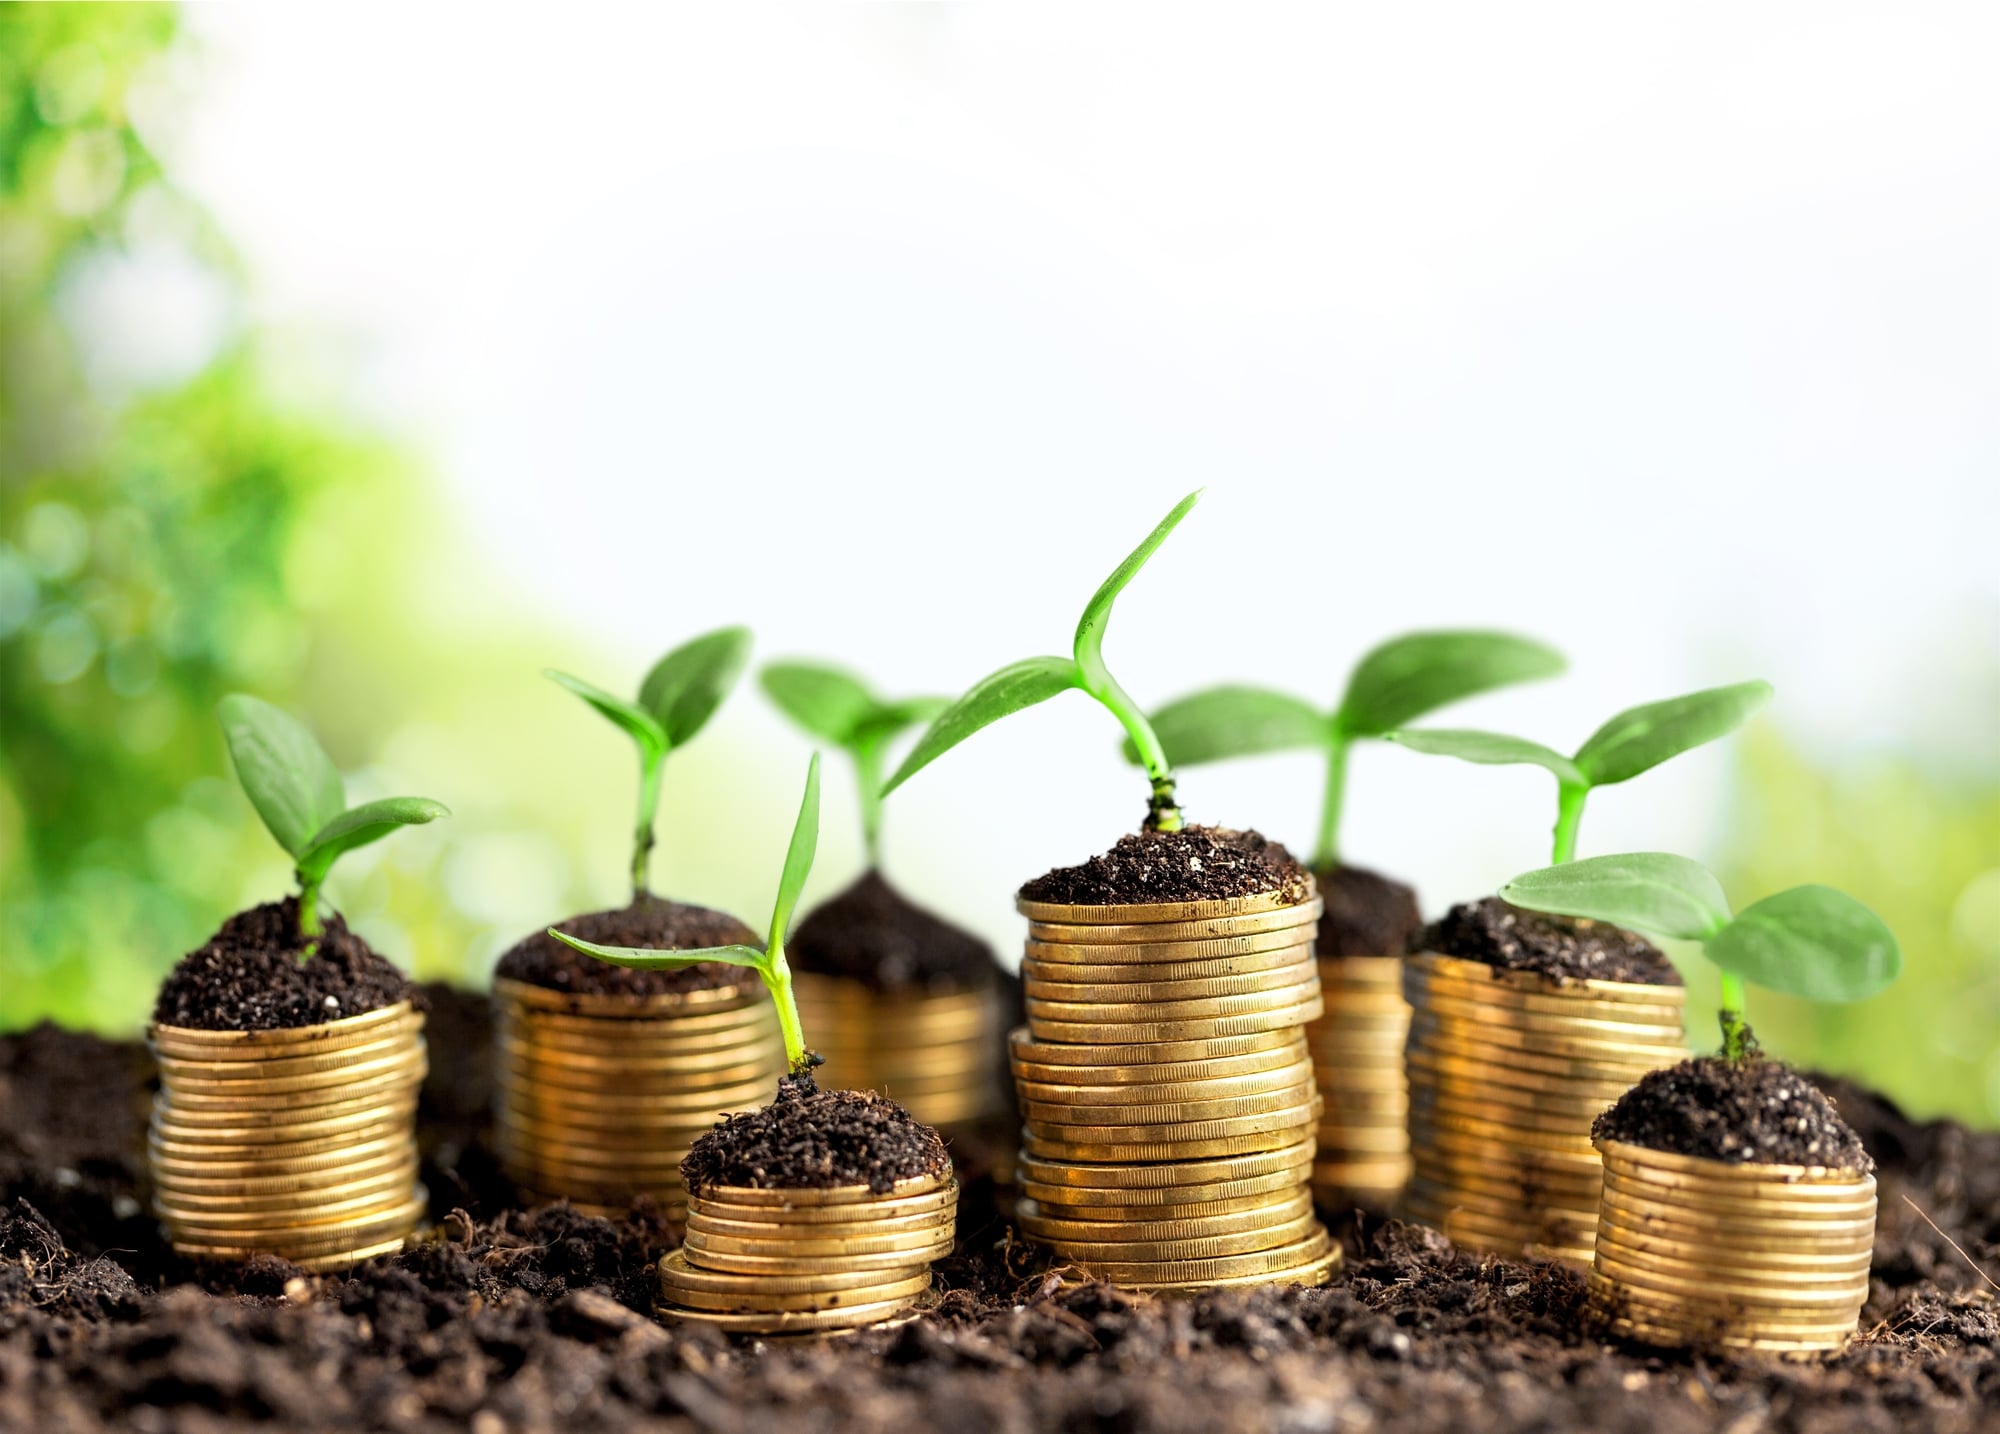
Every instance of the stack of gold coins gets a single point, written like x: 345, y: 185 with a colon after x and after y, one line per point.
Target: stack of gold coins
x: 599, y: 1097
x: 806, y: 1261
x: 1166, y: 1091
x: 1507, y: 1071
x: 298, y: 1142
x: 937, y: 1055
x: 1714, y: 1254
x: 1357, y: 1055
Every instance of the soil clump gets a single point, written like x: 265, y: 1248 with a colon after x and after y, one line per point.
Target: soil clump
x: 872, y: 934
x: 1735, y: 1111
x: 812, y: 1139
x: 254, y: 975
x: 1193, y: 864
x: 1564, y: 948
x: 650, y: 922
x: 1367, y: 914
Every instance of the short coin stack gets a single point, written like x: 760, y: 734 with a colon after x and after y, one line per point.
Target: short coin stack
x: 600, y: 1096
x: 1753, y: 1256
x: 937, y: 1055
x: 807, y: 1261
x: 298, y: 1142
x: 1507, y: 1071
x: 1357, y: 1056
x: 1167, y: 1093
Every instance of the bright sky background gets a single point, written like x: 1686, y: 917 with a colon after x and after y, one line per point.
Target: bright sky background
x: 1665, y: 333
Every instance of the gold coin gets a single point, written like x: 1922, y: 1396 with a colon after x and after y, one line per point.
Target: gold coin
x: 1500, y: 1182
x: 275, y: 1162
x: 388, y: 1187
x: 1749, y: 1206
x: 1373, y: 1076
x: 1510, y: 1087
x: 730, y: 1261
x: 319, y: 1033
x: 1041, y: 987
x: 1456, y: 1146
x: 1585, y: 1021
x: 1385, y: 972
x: 1217, y: 1197
x: 1025, y: 1049
x: 1240, y: 1165
x: 662, y: 1035
x: 1468, y: 1056
x: 1256, y: 1003
x: 678, y: 1108
x: 1742, y: 1296
x: 662, y: 1152
x: 1163, y: 912
x: 1166, y: 1151
x: 840, y: 990
x: 1047, y: 967
x: 1258, y: 1213
x: 810, y: 1197
x: 1293, y: 1073
x: 1513, y: 1207
x: 287, y: 1216
x: 1729, y: 1182
x: 1773, y: 1317
x: 1700, y: 1167
x: 1689, y: 1261
x: 1281, y: 1057
x: 742, y: 991
x: 1473, y: 1038
x: 227, y: 1181
x: 316, y: 1264
x: 1096, y: 954
x: 372, y: 1062
x: 1692, y: 1224
x: 1207, y: 1247
x: 694, y: 1072
x: 176, y: 1127
x: 925, y: 1223
x: 755, y: 1297
x: 1364, y: 1107
x: 1136, y: 1033
x: 1739, y: 1247
x: 1051, y: 1117
x: 1170, y: 1217
x: 678, y: 1275
x: 1639, y: 993
x: 916, y: 1248
x: 1313, y: 1272
x: 1667, y: 1007
x: 787, y: 1322
x: 1377, y: 1140
x: 1338, y: 1176
x: 1061, y: 933
x: 1424, y: 1115
x: 1561, y: 1119
x: 1299, y: 1254
x: 321, y: 1238
x: 280, y: 1103
x: 1286, y: 1117
x: 271, y: 1153
x: 680, y: 1056
x: 169, y: 1110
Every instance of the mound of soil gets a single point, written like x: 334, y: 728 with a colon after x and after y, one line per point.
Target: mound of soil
x: 1367, y: 914
x: 871, y: 933
x: 651, y: 923
x: 1193, y: 864
x: 253, y: 975
x: 1561, y: 947
x: 1735, y: 1111
x: 810, y: 1139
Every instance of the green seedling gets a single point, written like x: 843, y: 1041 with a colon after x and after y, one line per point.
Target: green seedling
x: 675, y: 701
x: 1809, y: 941
x: 770, y: 963
x: 1636, y: 740
x: 837, y: 707
x: 1396, y: 683
x: 1037, y: 679
x: 298, y: 792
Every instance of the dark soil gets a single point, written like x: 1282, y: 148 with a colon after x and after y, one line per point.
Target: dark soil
x: 252, y: 975
x: 1193, y: 864
x: 536, y: 1320
x: 656, y: 925
x: 1735, y: 1111
x: 1563, y: 947
x: 808, y: 1138
x: 1367, y: 914
x: 871, y: 933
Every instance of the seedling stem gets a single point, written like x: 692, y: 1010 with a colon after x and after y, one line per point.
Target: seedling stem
x: 1735, y: 1029
x: 1569, y: 816
x: 1327, y: 855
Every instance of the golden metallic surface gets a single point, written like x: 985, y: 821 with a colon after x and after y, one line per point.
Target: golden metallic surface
x: 1314, y: 1272
x: 1061, y: 966
x: 1217, y: 953
x: 925, y: 1224
x: 1153, y: 1202
x: 1708, y: 1253
x: 1135, y: 1251
x: 1286, y: 1117
x: 1039, y: 986
x: 744, y: 993
x: 1155, y: 933
x: 388, y: 1187
x: 1051, y: 1116
x: 701, y: 1244
x: 1268, y: 1263
x: 1138, y: 1032
x: 750, y: 1295
x: 787, y: 1321
x: 1162, y: 912
x: 938, y: 1055
x: 1162, y: 1152
x: 377, y: 1061
x: 1142, y: 1061
x: 1278, y: 998
x: 821, y: 1197
x: 1233, y: 1218
x: 733, y: 1262
x: 888, y: 1207
x: 1284, y: 1076
x: 289, y: 1040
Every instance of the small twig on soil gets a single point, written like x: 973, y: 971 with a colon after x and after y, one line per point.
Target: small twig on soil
x: 1951, y: 1242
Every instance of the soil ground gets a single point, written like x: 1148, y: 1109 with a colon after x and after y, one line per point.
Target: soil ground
x: 510, y: 1320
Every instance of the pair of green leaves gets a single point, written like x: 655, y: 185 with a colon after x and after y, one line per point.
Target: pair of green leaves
x: 1809, y: 941
x: 1395, y: 683
x: 770, y: 963
x: 1023, y: 684
x: 675, y: 701
x: 298, y: 792
x: 1636, y: 740
x: 838, y: 707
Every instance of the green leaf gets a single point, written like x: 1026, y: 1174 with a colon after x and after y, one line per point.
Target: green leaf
x: 1641, y: 738
x: 1408, y: 676
x: 1234, y: 722
x: 798, y: 857
x: 1810, y: 941
x: 642, y: 958
x: 1012, y: 688
x: 286, y: 774
x: 893, y: 717
x: 688, y: 684
x: 1089, y: 643
x: 369, y: 822
x: 636, y: 723
x: 1650, y: 891
x: 825, y: 701
x: 1490, y: 748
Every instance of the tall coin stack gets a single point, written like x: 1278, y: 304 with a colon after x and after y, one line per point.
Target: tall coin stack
x: 807, y: 1261
x: 937, y: 1055
x: 599, y: 1097
x: 1357, y: 1055
x: 1754, y: 1256
x: 1167, y: 1093
x: 298, y: 1142
x: 1507, y: 1071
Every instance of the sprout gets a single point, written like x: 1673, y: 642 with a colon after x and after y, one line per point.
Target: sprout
x: 1809, y: 941
x: 1636, y: 740
x: 1037, y: 679
x: 839, y: 708
x: 1400, y: 680
x: 297, y: 790
x: 769, y: 963
x: 675, y: 701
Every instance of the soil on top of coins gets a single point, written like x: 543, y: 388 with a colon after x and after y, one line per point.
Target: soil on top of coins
x: 1563, y: 948
x: 1193, y: 864
x: 649, y: 922
x: 1367, y: 914
x: 516, y: 1320
x: 872, y: 934
x: 1735, y: 1111
x: 254, y: 975
x: 811, y: 1139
